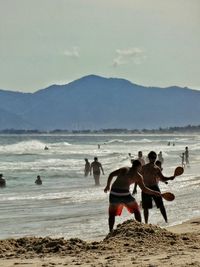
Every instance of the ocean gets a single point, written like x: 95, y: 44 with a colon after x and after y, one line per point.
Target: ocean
x: 68, y: 204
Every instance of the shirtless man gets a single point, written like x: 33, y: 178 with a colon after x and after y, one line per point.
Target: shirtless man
x: 142, y: 161
x: 87, y: 167
x: 96, y: 167
x: 140, y: 158
x: 152, y: 175
x: 186, y: 155
x: 160, y: 157
x: 183, y: 159
x: 120, y: 195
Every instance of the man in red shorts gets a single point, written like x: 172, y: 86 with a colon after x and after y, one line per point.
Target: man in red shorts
x: 120, y: 195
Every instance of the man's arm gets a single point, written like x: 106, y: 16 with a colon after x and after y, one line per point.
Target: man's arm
x: 134, y: 189
x: 102, y: 169
x: 164, y: 178
x: 135, y: 186
x: 110, y: 177
x: 146, y: 189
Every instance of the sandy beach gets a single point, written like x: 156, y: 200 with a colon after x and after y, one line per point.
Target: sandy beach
x: 130, y: 244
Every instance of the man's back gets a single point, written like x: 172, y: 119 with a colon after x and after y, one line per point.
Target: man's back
x: 95, y: 165
x: 125, y: 177
x: 122, y: 180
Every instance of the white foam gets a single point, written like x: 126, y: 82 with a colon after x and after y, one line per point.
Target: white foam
x: 23, y: 147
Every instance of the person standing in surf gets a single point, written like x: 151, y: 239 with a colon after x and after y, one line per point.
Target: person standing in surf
x: 187, y: 156
x: 183, y: 159
x: 2, y: 181
x: 87, y: 168
x: 160, y: 157
x: 96, y: 168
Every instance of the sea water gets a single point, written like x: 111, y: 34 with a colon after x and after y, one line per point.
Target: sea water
x: 68, y: 204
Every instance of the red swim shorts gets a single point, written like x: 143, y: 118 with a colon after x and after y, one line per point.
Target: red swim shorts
x: 118, y: 202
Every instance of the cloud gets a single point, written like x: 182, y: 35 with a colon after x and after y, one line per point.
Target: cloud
x: 74, y: 52
x: 125, y: 56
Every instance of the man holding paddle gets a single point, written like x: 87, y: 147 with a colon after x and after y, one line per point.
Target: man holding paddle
x: 151, y: 176
x: 120, y: 195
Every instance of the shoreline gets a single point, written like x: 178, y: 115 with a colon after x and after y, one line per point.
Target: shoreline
x: 188, y: 226
x: 130, y: 244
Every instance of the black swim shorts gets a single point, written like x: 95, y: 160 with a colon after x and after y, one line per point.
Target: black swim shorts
x: 147, y: 199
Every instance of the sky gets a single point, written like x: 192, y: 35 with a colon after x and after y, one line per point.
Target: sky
x: 148, y: 42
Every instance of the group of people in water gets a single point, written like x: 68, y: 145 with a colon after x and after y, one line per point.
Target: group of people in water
x: 96, y: 168
x: 38, y: 181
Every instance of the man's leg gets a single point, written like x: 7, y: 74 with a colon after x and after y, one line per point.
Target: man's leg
x: 134, y: 208
x: 146, y: 205
x: 111, y: 222
x: 137, y: 215
x: 96, y: 179
x: 160, y: 205
x: 146, y: 215
x: 163, y: 212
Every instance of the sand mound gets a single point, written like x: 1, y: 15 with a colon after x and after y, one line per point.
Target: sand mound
x: 146, y: 233
x: 134, y: 237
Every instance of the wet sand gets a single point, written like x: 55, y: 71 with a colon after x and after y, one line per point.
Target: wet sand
x: 130, y: 244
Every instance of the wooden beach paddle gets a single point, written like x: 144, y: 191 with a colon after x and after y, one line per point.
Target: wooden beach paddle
x: 168, y: 196
x: 178, y: 171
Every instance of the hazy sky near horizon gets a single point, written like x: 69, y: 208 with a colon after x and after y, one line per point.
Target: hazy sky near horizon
x: 149, y: 42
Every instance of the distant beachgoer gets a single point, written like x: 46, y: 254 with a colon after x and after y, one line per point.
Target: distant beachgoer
x: 142, y: 161
x: 96, y: 168
x: 140, y: 158
x: 186, y: 155
x: 46, y: 148
x: 160, y: 157
x: 131, y: 157
x: 183, y: 159
x: 168, y: 143
x: 99, y: 146
x: 2, y: 181
x: 38, y: 181
x: 152, y: 175
x: 120, y: 195
x: 173, y: 144
x: 159, y: 164
x: 87, y: 168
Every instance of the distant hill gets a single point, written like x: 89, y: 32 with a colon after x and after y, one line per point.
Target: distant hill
x: 94, y: 102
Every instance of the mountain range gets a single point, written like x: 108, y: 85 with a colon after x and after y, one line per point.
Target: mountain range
x: 94, y: 102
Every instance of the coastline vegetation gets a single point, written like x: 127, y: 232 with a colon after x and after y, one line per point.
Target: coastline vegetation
x: 167, y: 130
